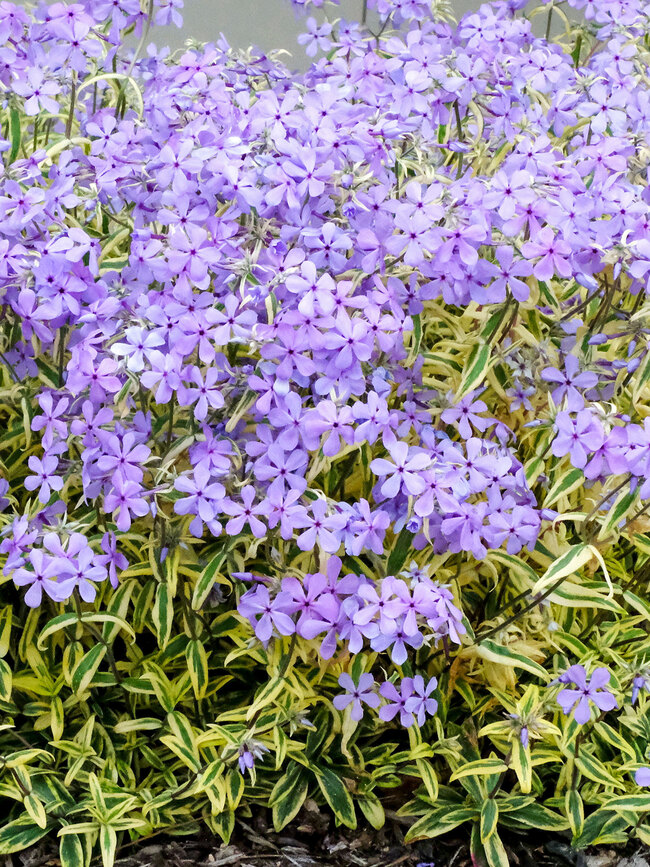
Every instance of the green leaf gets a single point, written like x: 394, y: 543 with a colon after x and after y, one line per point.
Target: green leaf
x: 493, y: 652
x: 603, y: 826
x: 575, y: 811
x: 563, y: 486
x: 107, y: 844
x: 224, y: 825
x: 209, y: 578
x: 197, y: 665
x: 618, y: 512
x: 14, y: 133
x: 372, y: 809
x: 439, y: 821
x: 336, y: 795
x: 163, y: 615
x: 86, y: 668
x: 495, y: 852
x: 401, y: 550
x: 522, y: 766
x: 19, y: 835
x: 428, y: 777
x: 595, y: 770
x: 36, y: 810
x: 565, y: 565
x: 71, y: 851
x: 5, y: 680
x: 475, y: 369
x: 288, y: 795
x: 634, y: 803
x: 540, y: 817
x: 269, y: 692
x: 481, y: 767
x: 489, y: 818
x: 613, y: 738
x: 235, y: 786
x: 62, y: 621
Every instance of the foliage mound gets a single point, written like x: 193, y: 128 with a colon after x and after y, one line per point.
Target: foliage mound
x: 325, y: 440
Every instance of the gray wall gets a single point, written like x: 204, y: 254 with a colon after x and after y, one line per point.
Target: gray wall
x: 265, y: 23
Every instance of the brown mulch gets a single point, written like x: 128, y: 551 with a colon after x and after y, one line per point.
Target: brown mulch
x: 312, y: 841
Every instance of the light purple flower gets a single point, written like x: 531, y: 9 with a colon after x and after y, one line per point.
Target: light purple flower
x: 586, y: 690
x: 356, y: 694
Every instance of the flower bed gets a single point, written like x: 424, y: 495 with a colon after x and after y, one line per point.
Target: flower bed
x: 325, y: 440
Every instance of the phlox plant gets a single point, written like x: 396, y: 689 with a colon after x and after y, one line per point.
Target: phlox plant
x: 325, y: 425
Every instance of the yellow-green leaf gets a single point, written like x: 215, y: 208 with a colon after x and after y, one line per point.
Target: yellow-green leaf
x: 337, y: 796
x: 489, y: 818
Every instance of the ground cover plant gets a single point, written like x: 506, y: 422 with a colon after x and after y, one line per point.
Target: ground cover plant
x: 325, y: 441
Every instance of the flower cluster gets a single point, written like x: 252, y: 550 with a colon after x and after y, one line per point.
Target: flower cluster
x: 317, y: 324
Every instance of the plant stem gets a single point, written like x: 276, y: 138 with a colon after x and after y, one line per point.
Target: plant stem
x: 548, y: 22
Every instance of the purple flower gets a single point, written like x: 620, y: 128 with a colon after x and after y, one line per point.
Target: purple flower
x: 396, y: 701
x: 593, y: 690
x: 404, y: 472
x: 420, y: 703
x: 642, y: 777
x: 551, y: 253
x: 41, y: 575
x: 267, y: 615
x: 245, y: 513
x: 44, y: 476
x: 125, y: 500
x: 577, y: 436
x: 465, y: 415
x: 570, y: 380
x: 356, y: 694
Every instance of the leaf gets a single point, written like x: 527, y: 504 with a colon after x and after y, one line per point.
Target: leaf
x: 162, y: 615
x: 617, y: 512
x: 209, y: 577
x: 36, y: 810
x: 635, y: 803
x: 495, y: 852
x: 522, y: 766
x: 567, y: 564
x: 428, y: 777
x: 337, y: 796
x: 197, y: 665
x: 439, y: 821
x: 86, y: 668
x: 71, y: 852
x: 371, y: 807
x: 615, y: 739
x: 224, y: 825
x: 489, y: 818
x: 288, y: 795
x: 62, y: 621
x: 401, y: 550
x: 575, y: 811
x: 493, y: 652
x: 567, y: 483
x: 235, y: 786
x: 107, y: 844
x: 602, y: 826
x: 19, y: 835
x: 14, y: 133
x: 269, y: 692
x: 481, y: 767
x: 475, y: 369
x: 595, y: 770
x: 5, y: 680
x: 540, y: 817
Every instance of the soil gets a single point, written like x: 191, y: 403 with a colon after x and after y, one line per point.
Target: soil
x: 311, y: 841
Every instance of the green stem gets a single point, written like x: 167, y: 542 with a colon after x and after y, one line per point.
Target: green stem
x: 548, y: 22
